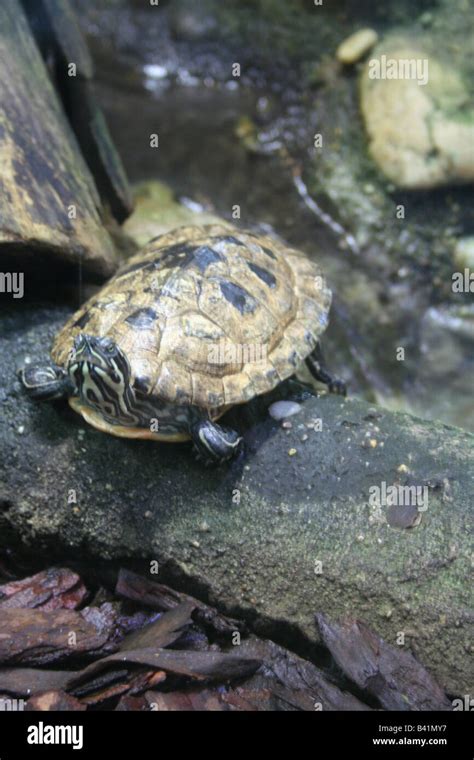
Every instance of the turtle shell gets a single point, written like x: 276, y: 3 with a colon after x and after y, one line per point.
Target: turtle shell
x: 208, y: 315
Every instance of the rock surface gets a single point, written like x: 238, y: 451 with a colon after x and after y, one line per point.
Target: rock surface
x: 421, y: 130
x: 353, y: 48
x: 286, y: 536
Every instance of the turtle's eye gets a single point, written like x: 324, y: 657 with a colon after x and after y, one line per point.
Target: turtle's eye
x: 110, y: 348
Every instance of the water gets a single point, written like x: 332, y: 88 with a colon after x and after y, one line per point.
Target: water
x: 225, y: 142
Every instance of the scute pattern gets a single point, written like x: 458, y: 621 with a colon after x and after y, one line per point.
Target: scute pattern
x: 210, y: 315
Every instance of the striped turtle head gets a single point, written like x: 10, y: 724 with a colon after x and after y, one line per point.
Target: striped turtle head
x: 100, y: 372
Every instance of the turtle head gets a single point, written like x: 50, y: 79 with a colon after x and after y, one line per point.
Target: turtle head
x: 100, y: 372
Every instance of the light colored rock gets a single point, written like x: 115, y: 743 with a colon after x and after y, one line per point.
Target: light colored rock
x: 280, y: 410
x: 421, y: 135
x: 464, y: 252
x: 353, y: 48
x: 157, y: 211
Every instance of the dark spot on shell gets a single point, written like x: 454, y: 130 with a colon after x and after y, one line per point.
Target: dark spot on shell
x: 294, y: 359
x: 204, y: 256
x: 267, y: 277
x: 142, y: 319
x: 91, y: 395
x: 268, y: 252
x: 238, y: 297
x: 177, y: 255
x: 83, y: 320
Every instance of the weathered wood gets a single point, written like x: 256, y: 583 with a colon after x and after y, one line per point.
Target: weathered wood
x: 145, y: 591
x: 61, y: 41
x: 390, y: 674
x: 51, y: 589
x: 38, y: 637
x: 44, y: 180
x: 23, y: 682
x: 52, y: 701
x: 162, y: 632
x: 200, y: 666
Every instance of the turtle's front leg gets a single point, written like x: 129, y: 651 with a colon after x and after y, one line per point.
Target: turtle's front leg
x: 46, y: 382
x: 214, y: 443
x: 315, y: 364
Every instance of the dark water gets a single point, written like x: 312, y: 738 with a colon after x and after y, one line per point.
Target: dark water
x: 378, y: 306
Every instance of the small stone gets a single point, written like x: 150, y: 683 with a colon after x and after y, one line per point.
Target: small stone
x: 373, y: 443
x: 304, y: 437
x: 204, y: 527
x: 402, y: 468
x: 148, y: 514
x: 282, y: 409
x: 21, y: 429
x: 353, y: 48
x: 195, y: 543
x: 287, y: 425
x: 464, y: 252
x: 291, y: 452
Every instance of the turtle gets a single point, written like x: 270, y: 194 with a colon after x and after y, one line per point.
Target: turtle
x: 203, y: 318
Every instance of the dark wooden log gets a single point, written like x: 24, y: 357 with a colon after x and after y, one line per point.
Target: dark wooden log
x: 391, y: 674
x: 61, y: 41
x: 44, y: 180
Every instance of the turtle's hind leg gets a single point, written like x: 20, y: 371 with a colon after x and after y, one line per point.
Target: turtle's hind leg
x: 319, y: 371
x: 214, y: 443
x: 46, y: 382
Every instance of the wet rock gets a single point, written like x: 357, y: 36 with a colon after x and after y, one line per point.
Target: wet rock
x: 446, y: 370
x: 157, y: 211
x: 417, y: 115
x: 353, y: 48
x: 280, y: 410
x: 191, y: 23
x: 288, y: 536
x: 464, y: 253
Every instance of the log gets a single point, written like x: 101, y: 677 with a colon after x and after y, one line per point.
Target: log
x: 44, y: 180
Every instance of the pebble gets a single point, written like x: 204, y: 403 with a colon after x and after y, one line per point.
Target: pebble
x: 353, y: 48
x: 282, y: 409
x: 464, y: 252
x: 291, y: 452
